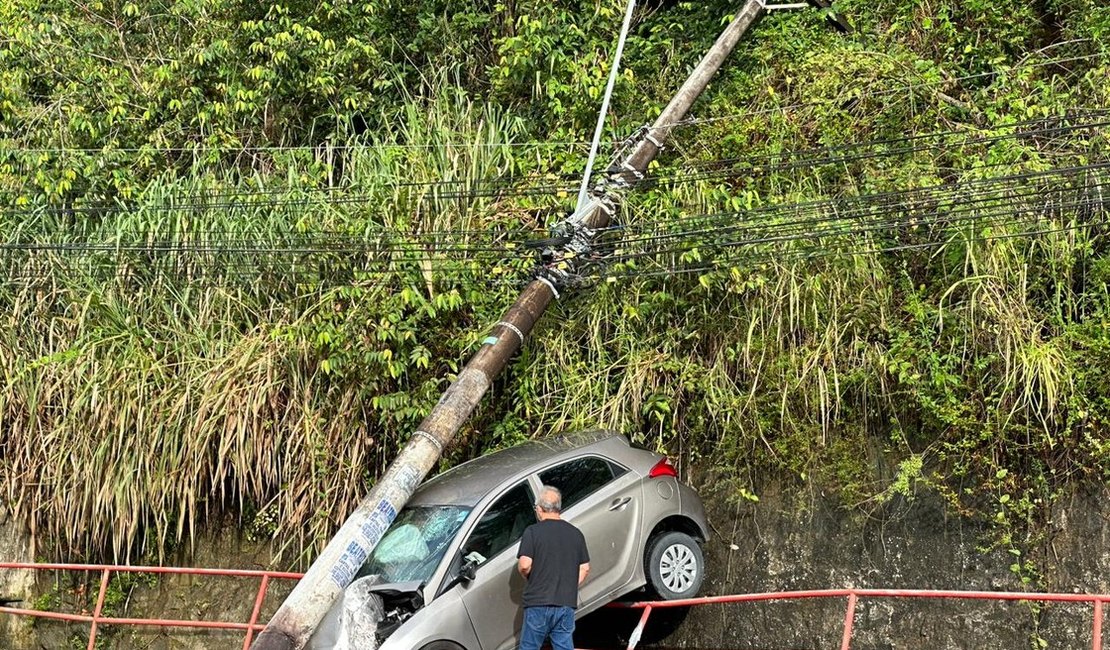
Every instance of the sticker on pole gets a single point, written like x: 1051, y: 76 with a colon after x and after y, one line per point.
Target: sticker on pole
x: 354, y: 556
x: 409, y: 478
x: 344, y: 569
x: 378, y: 522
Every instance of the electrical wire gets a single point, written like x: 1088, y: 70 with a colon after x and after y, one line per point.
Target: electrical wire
x: 434, y: 249
x: 678, y: 178
x: 806, y: 215
x: 228, y: 201
x: 779, y: 256
x: 533, y: 191
x: 783, y: 218
x: 1047, y: 126
x: 222, y: 275
x: 691, y: 121
x: 1002, y: 216
x: 694, y: 121
x: 203, y: 148
x: 519, y: 187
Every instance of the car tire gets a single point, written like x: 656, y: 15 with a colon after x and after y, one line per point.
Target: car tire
x: 674, y: 565
x: 442, y: 645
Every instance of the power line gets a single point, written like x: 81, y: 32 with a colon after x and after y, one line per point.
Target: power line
x: 228, y: 201
x: 783, y: 218
x: 1003, y: 215
x: 55, y: 270
x: 323, y: 147
x: 1052, y: 125
x: 202, y: 148
x: 504, y: 187
x: 777, y: 256
x: 749, y: 165
x: 772, y: 236
x: 694, y: 121
x: 719, y: 222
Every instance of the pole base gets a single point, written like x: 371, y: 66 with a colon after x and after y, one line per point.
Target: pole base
x: 271, y: 639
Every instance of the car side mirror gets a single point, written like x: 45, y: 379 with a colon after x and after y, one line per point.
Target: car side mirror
x: 468, y: 569
x: 466, y: 573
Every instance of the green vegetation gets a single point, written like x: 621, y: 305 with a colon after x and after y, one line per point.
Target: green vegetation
x: 222, y: 350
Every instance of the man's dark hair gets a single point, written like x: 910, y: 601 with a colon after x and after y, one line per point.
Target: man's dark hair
x: 551, y: 499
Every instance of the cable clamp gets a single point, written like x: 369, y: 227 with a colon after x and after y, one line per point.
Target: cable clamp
x: 514, y: 328
x: 628, y: 167
x: 430, y: 438
x: 550, y: 285
x: 651, y: 138
x: 617, y: 181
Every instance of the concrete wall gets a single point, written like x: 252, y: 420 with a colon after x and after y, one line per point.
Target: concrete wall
x: 795, y: 539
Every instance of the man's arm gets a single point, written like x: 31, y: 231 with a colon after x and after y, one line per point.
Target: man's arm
x: 524, y: 553
x: 583, y: 559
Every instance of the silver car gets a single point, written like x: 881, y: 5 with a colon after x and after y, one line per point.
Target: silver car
x: 446, y: 568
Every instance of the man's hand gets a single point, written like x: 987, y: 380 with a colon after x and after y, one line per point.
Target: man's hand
x: 583, y: 571
x: 524, y: 566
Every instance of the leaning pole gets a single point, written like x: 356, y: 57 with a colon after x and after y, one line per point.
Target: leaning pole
x: 295, y: 621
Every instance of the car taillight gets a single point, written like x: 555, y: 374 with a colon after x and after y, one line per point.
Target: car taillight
x: 663, y: 468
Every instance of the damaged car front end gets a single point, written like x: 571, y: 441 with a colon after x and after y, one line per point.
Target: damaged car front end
x: 391, y: 586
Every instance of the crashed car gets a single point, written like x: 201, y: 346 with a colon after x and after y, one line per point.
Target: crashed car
x: 443, y: 577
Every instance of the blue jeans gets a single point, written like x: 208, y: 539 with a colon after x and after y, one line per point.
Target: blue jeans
x: 542, y: 622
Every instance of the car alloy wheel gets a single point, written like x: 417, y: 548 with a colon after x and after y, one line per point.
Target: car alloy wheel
x: 678, y: 567
x: 675, y: 566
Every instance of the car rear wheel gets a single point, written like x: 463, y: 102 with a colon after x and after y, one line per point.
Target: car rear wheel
x: 674, y: 565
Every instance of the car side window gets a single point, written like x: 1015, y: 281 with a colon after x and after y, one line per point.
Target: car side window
x: 579, y: 478
x: 502, y: 524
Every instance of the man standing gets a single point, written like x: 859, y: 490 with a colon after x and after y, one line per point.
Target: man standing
x: 554, y: 560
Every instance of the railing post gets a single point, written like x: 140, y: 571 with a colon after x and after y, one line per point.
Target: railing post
x: 257, y: 608
x: 635, y: 638
x: 99, y: 606
x: 1096, y: 628
x: 849, y: 621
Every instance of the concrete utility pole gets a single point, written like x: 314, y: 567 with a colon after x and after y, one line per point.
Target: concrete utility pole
x: 297, y: 618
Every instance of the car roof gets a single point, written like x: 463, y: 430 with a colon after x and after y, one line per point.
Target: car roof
x: 468, y: 483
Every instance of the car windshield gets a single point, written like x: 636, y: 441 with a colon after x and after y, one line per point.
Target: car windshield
x: 413, y: 546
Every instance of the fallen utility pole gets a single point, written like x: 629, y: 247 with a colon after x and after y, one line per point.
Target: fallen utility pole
x: 297, y: 618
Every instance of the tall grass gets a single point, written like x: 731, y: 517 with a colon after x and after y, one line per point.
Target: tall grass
x: 149, y: 393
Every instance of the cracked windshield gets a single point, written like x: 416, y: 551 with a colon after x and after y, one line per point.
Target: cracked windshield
x: 413, y: 546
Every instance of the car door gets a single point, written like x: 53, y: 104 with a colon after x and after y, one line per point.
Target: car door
x: 492, y: 598
x: 605, y: 501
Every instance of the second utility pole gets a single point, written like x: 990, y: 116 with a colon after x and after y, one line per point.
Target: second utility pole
x: 297, y: 618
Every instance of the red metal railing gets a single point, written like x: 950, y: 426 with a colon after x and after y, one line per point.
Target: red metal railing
x: 853, y: 596
x: 97, y: 618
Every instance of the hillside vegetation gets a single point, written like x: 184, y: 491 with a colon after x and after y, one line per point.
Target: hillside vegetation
x: 246, y: 244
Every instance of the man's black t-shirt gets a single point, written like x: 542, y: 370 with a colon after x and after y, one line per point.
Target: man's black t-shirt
x: 556, y: 548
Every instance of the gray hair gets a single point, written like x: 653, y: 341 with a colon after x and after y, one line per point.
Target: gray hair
x: 551, y: 499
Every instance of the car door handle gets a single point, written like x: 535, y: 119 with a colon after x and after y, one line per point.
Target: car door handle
x: 618, y: 504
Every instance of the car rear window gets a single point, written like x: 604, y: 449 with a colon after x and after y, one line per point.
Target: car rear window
x: 581, y: 477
